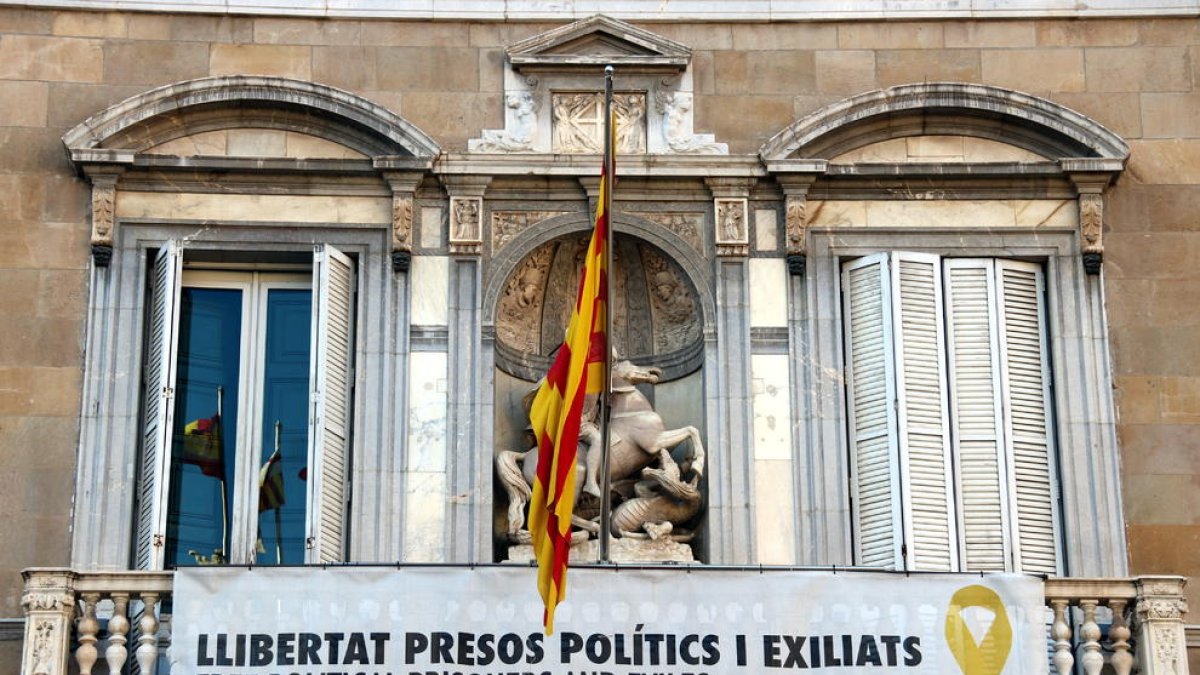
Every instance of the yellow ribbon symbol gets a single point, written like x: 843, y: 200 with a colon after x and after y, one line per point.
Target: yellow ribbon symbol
x: 986, y: 657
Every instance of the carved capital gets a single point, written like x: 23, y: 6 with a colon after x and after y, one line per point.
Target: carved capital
x: 49, y: 604
x: 732, y: 231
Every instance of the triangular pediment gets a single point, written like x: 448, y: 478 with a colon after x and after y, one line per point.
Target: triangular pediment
x: 595, y: 42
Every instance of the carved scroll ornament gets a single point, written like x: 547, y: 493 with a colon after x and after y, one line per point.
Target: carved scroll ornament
x: 402, y: 227
x: 1091, y: 229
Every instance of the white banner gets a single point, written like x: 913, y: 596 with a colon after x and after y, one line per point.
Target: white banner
x: 487, y: 621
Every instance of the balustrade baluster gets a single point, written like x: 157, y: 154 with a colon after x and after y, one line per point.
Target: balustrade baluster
x: 147, y: 651
x: 118, y: 634
x: 1061, y: 632
x: 1118, y: 635
x: 87, y: 654
x: 1089, y: 632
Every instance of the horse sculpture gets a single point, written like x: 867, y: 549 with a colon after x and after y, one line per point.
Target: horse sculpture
x: 638, y: 437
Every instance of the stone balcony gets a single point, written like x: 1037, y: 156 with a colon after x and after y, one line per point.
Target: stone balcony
x: 97, y: 622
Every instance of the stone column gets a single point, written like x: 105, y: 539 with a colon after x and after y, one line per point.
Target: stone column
x: 822, y: 498
x: 49, y: 604
x: 1158, y: 627
x: 468, y: 515
x: 378, y: 481
x: 731, y: 524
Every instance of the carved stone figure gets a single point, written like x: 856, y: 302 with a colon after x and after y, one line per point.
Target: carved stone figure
x: 402, y: 220
x: 518, y: 134
x: 731, y: 221
x: 466, y: 220
x: 677, y: 127
x: 522, y: 297
x: 638, y: 438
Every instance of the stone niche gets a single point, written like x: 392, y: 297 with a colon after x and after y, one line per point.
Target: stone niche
x: 656, y: 322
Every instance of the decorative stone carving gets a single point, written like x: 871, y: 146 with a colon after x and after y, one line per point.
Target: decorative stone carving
x: 519, y: 130
x: 104, y: 210
x: 655, y: 307
x: 630, y: 110
x: 49, y: 604
x: 732, y: 233
x: 685, y: 225
x: 523, y: 295
x: 578, y: 122
x: 402, y: 227
x: 676, y: 110
x: 1159, y: 631
x: 508, y: 224
x: 1091, y: 229
x: 657, y: 506
x: 796, y: 225
x: 465, y: 235
x: 672, y: 306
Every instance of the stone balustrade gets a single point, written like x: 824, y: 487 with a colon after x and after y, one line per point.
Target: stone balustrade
x: 1132, y: 625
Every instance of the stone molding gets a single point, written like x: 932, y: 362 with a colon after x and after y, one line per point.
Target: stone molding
x: 643, y: 10
x: 571, y: 48
x: 553, y: 80
x: 350, y: 119
x: 1012, y: 117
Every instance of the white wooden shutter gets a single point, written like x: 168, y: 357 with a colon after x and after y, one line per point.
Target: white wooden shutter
x: 162, y: 338
x: 875, y: 480
x: 926, y: 478
x: 1027, y: 417
x: 329, y: 417
x: 976, y: 421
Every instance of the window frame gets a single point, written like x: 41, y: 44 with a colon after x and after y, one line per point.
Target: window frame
x: 1081, y: 386
x: 885, y: 273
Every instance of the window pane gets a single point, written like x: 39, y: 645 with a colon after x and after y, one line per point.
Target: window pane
x: 283, y: 479
x: 203, y: 450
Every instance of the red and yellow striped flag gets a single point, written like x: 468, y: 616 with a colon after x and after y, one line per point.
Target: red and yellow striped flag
x: 578, y: 370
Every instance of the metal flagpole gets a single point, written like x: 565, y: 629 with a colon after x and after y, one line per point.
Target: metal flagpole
x: 217, y: 438
x: 606, y: 394
x: 278, y: 518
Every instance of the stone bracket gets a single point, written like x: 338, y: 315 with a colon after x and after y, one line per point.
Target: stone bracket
x: 795, y: 179
x: 1091, y: 178
x: 104, y: 209
x: 403, y: 185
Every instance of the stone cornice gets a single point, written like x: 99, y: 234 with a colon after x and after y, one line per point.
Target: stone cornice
x: 643, y: 10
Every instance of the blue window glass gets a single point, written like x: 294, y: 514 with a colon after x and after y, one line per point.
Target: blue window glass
x: 283, y: 472
x: 205, y: 446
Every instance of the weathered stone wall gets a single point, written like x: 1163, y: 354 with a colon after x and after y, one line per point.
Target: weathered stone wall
x: 1138, y: 77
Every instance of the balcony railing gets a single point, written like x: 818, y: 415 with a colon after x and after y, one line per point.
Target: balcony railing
x: 1132, y: 625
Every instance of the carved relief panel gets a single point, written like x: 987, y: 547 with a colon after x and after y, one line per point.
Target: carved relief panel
x: 656, y: 310
x: 578, y: 122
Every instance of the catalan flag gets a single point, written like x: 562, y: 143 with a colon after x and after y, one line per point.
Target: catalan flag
x: 270, y: 483
x: 202, y: 445
x: 578, y: 370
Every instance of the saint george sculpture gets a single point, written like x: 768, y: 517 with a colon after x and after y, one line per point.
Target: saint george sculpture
x: 654, y: 495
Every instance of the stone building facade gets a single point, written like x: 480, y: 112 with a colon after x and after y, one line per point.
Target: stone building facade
x: 447, y: 163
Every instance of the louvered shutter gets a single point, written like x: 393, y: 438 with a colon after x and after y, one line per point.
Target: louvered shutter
x: 871, y: 396
x: 329, y: 417
x: 977, y: 425
x: 926, y: 478
x: 1027, y: 417
x: 162, y: 337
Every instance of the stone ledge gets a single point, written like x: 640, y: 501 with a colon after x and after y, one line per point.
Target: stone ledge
x: 641, y: 10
